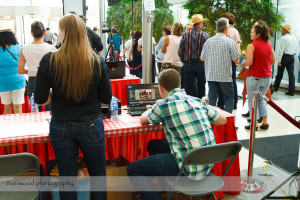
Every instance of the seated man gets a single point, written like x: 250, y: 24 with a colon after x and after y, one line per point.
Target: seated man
x: 187, y: 123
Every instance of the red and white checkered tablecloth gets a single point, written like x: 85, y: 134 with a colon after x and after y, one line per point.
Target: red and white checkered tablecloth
x: 112, y: 129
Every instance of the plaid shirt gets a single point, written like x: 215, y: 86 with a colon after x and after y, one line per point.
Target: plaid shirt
x: 219, y: 52
x: 187, y: 124
x: 191, y: 45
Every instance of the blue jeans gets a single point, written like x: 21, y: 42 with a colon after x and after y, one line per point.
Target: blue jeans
x: 191, y: 71
x: 227, y: 91
x: 159, y: 163
x: 31, y: 84
x: 287, y: 62
x: 221, y: 100
x: 66, y: 139
x: 260, y: 85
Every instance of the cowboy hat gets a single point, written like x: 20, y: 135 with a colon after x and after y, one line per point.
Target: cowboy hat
x: 287, y: 27
x: 197, y: 18
x: 6, y: 30
x: 229, y: 16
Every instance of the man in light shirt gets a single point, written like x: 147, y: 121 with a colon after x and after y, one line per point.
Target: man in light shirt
x: 287, y: 50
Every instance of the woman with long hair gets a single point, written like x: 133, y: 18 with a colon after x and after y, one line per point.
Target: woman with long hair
x: 259, y: 57
x: 12, y: 84
x: 170, y: 48
x: 31, y: 54
x: 79, y: 80
x: 137, y: 55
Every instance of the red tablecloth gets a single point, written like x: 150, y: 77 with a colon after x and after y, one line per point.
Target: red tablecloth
x: 128, y: 140
x: 118, y: 88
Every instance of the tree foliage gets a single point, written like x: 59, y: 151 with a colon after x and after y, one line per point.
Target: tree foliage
x: 246, y: 12
x: 121, y: 15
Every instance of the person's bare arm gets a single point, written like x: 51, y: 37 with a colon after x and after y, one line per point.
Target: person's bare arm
x: 273, y: 61
x: 220, y: 121
x: 139, y: 48
x: 165, y: 44
x: 21, y: 64
x: 130, y: 52
x: 249, y: 56
x: 143, y: 119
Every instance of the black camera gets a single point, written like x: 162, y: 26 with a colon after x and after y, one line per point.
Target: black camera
x: 106, y: 30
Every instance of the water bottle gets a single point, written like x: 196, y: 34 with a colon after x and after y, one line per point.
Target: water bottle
x: 114, y: 117
x: 34, y: 107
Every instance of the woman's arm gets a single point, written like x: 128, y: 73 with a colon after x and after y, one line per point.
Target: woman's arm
x: 165, y: 44
x: 249, y: 56
x: 130, y: 52
x: 273, y: 58
x: 21, y: 64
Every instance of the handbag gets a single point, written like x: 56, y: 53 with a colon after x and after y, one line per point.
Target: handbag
x: 242, y: 74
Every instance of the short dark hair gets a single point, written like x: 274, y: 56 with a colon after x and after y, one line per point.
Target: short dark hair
x: 114, y: 30
x: 47, y: 29
x: 168, y: 32
x: 169, y: 79
x: 37, y: 29
x: 95, y: 28
x: 263, y: 30
x: 7, y: 38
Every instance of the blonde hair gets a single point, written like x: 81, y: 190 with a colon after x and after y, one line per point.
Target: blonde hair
x: 177, y: 29
x: 73, y: 63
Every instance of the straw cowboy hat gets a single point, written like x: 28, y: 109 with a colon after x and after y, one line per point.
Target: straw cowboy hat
x: 229, y: 16
x: 197, y: 18
x: 287, y: 27
x: 6, y: 30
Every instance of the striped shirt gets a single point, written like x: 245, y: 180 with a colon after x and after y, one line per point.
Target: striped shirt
x: 219, y: 52
x: 191, y: 45
x: 187, y: 124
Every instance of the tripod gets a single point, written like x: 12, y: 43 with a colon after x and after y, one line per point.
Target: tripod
x: 111, y: 50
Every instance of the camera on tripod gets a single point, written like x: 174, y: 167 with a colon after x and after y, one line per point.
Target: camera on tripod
x: 106, y: 30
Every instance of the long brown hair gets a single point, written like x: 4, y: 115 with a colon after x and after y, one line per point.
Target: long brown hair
x: 74, y: 61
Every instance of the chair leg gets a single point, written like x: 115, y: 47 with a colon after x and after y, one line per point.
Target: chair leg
x: 213, y: 195
x: 169, y: 194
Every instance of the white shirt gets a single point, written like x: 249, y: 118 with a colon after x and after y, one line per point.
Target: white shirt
x: 140, y: 42
x: 171, y: 55
x: 288, y: 45
x: 33, y: 54
x: 127, y: 46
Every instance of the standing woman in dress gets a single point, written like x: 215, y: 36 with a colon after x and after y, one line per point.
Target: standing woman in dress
x: 12, y: 84
x: 79, y: 81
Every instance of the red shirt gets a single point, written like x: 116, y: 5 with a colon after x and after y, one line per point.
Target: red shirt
x: 262, y: 56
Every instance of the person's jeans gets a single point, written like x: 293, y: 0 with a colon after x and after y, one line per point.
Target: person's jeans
x: 260, y: 85
x: 66, y: 139
x: 31, y: 83
x: 287, y: 62
x: 156, y: 165
x: 191, y: 71
x: 157, y: 146
x: 221, y: 100
x: 227, y: 91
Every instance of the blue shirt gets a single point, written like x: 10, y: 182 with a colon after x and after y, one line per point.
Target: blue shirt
x: 117, y: 41
x: 187, y: 124
x: 10, y: 79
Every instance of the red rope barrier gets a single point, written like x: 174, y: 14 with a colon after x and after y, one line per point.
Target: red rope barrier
x: 283, y: 113
x: 127, y: 65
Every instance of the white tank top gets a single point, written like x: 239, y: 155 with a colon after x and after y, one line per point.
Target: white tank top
x: 171, y: 55
x: 33, y: 54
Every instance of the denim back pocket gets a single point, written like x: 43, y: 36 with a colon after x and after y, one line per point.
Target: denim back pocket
x: 93, y: 132
x: 57, y: 130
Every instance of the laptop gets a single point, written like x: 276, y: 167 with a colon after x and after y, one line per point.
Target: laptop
x: 141, y: 95
x: 116, y: 69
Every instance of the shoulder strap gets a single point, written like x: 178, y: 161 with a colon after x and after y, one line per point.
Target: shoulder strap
x: 12, y: 55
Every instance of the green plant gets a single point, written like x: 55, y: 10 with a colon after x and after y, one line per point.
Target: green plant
x: 121, y: 15
x: 246, y: 12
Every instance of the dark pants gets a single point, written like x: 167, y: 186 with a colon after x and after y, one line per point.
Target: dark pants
x: 287, y: 62
x: 191, y: 71
x: 31, y: 83
x: 161, y: 163
x: 227, y: 91
x: 137, y: 60
x: 153, y: 68
x: 159, y: 66
x: 66, y: 139
x: 221, y: 100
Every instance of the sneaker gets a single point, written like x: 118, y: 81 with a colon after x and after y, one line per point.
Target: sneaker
x: 246, y: 114
x: 290, y: 93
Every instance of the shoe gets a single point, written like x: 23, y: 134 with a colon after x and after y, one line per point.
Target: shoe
x: 290, y: 93
x: 234, y: 107
x: 264, y: 126
x: 272, y: 90
x: 246, y: 114
x: 258, y: 121
x: 248, y: 127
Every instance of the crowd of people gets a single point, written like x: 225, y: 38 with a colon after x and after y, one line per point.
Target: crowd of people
x: 73, y: 80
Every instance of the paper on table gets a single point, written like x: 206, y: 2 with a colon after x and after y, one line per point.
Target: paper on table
x: 127, y: 119
x: 17, y: 130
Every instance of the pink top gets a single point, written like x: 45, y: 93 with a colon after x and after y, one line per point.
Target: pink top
x: 233, y: 34
x: 262, y: 57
